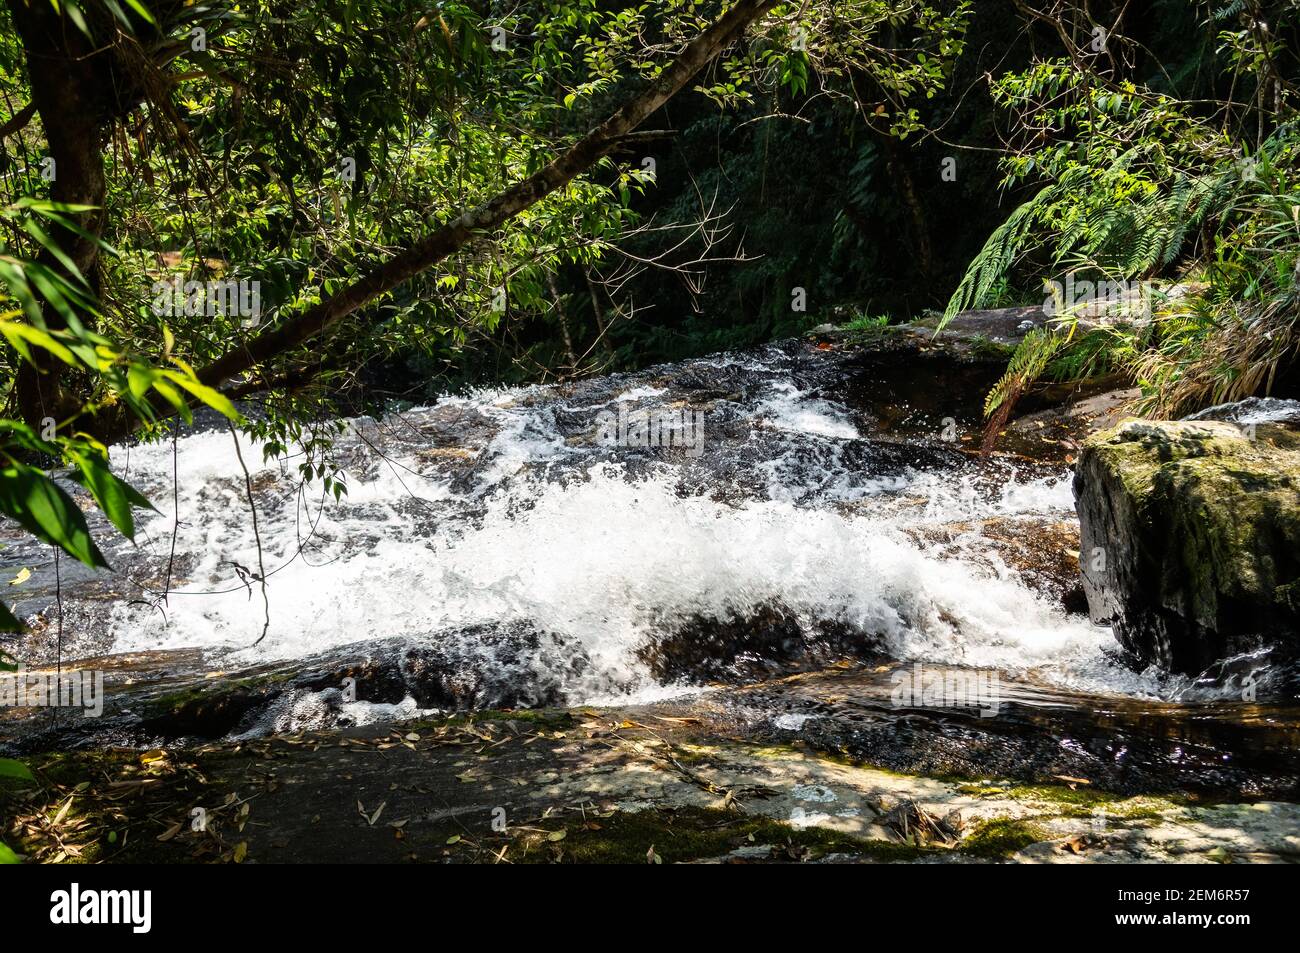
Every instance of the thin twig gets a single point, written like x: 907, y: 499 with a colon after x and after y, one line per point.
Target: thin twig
x: 257, y: 535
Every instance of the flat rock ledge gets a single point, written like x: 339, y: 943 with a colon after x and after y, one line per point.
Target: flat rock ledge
x: 589, y: 785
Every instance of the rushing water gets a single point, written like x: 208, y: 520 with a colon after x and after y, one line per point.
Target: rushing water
x: 480, y: 517
x: 508, y: 508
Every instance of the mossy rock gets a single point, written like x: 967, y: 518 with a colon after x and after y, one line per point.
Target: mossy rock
x: 1190, y: 538
x: 1001, y: 837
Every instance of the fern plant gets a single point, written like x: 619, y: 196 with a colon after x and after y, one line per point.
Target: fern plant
x: 1137, y: 188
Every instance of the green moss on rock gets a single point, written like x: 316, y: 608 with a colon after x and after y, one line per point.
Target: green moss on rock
x: 1002, y: 837
x: 693, y: 833
x: 1190, y: 538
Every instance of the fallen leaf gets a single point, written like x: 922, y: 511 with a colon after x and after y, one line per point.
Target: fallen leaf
x: 170, y: 832
x: 1071, y: 781
x: 1073, y: 845
x: 63, y: 811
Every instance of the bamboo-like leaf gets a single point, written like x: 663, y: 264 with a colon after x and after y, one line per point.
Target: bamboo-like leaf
x: 47, y: 512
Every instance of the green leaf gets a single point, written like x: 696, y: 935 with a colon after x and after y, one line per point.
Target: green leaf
x: 46, y: 511
x: 7, y: 856
x: 19, y: 335
x: 75, y: 15
x: 38, y: 233
x: 9, y: 768
x: 140, y: 379
x: 8, y: 623
x: 114, y: 496
x: 175, y: 398
x: 141, y: 9
x: 213, y: 398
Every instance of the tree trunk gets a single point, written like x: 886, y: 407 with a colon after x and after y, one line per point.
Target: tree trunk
x: 67, y: 77
x: 562, y: 319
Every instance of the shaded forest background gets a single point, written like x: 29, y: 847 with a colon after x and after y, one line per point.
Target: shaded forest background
x: 866, y: 223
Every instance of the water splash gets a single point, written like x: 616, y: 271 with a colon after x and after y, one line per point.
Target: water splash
x: 498, y: 509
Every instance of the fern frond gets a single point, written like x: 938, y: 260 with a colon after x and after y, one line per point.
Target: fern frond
x: 997, y: 256
x: 1027, y: 364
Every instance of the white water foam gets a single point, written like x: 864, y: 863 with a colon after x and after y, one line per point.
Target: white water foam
x: 605, y: 563
x: 789, y: 408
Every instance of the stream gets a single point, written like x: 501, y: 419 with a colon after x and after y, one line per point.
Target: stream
x: 703, y: 527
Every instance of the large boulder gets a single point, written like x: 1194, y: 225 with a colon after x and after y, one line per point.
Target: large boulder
x: 1190, y: 538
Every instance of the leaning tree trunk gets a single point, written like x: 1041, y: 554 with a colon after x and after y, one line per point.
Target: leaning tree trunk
x: 113, y: 423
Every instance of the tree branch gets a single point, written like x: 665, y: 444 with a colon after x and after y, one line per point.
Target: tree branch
x: 18, y: 120
x: 114, y: 422
x: 455, y: 234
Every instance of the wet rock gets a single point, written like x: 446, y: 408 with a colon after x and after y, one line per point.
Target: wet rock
x: 160, y: 698
x: 1254, y: 410
x: 492, y: 667
x: 1070, y: 418
x: 983, y: 336
x: 1037, y: 735
x: 760, y: 644
x: 1190, y: 538
x: 1043, y: 553
x: 998, y: 325
x: 605, y: 786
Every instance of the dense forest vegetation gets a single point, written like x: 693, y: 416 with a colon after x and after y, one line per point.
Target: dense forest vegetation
x: 326, y: 207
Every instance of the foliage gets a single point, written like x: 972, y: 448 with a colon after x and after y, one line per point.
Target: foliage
x: 867, y: 322
x: 431, y: 117
x: 1139, y: 187
x: 29, y: 493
